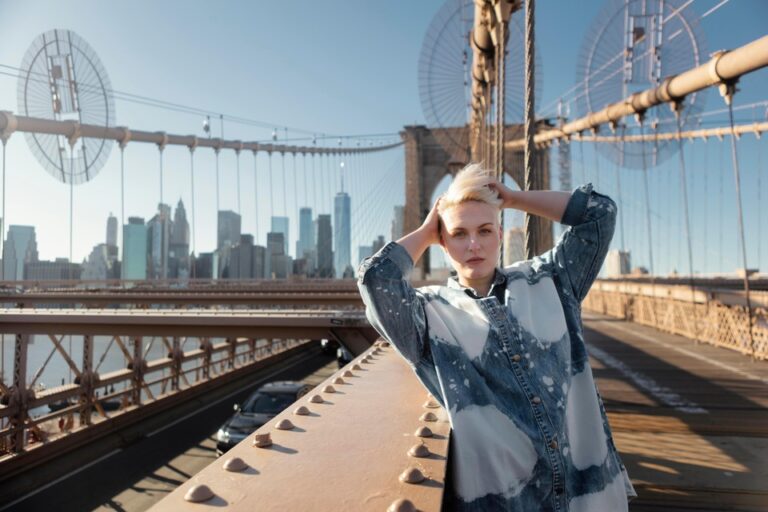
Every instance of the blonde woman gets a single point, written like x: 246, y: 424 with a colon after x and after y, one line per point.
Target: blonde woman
x: 502, y: 349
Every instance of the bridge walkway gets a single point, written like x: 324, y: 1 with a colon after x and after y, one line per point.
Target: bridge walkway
x: 690, y: 420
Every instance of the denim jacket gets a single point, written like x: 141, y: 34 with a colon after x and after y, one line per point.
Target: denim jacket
x: 529, y: 429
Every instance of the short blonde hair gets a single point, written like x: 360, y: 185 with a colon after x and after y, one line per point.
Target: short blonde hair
x: 470, y: 184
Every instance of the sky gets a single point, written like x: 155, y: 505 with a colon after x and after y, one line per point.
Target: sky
x: 346, y: 69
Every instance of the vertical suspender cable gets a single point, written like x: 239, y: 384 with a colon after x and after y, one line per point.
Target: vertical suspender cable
x: 684, y: 186
x: 501, y: 121
x: 122, y: 206
x: 71, y: 209
x: 3, y: 223
x: 619, y: 165
x: 271, y: 194
x: 216, y: 151
x: 648, y: 221
x: 285, y: 196
x: 192, y: 183
x: 759, y: 200
x: 256, y: 196
x: 532, y: 225
x: 237, y: 164
x: 161, y: 175
x: 737, y: 180
x: 720, y: 211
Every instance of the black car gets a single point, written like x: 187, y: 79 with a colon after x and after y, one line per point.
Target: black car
x: 264, y: 404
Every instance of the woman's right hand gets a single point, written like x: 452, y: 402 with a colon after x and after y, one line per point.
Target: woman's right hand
x: 431, y: 225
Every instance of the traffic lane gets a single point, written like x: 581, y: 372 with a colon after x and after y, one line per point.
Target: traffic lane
x: 142, y: 467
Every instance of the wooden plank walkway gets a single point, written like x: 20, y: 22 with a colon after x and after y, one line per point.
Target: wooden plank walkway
x: 689, y: 420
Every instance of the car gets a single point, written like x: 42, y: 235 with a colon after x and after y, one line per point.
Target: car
x: 264, y: 404
x: 343, y: 356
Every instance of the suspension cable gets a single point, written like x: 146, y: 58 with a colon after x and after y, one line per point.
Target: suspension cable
x: 641, y: 119
x: 218, y: 208
x: 192, y: 183
x: 737, y: 180
x: 532, y: 182
x: 677, y: 107
x: 619, y: 165
x: 271, y: 195
x: 256, y: 196
x: 237, y: 167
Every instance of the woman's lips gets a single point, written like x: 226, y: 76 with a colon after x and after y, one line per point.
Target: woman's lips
x: 475, y: 260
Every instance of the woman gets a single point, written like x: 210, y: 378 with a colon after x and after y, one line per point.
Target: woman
x: 503, y: 350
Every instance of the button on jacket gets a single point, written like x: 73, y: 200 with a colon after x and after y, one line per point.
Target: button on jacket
x: 529, y: 429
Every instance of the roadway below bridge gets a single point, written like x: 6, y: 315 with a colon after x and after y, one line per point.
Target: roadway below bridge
x: 133, y: 471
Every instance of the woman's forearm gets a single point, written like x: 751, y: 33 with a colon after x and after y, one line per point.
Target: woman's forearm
x: 416, y: 242
x: 549, y: 204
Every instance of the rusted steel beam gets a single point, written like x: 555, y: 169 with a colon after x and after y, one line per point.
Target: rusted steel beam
x: 724, y: 68
x: 313, y: 324
x: 704, y: 133
x: 321, y: 448
x: 80, y: 437
x: 10, y: 123
x: 197, y: 297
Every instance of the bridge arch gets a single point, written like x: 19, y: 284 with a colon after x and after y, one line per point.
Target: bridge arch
x: 427, y: 162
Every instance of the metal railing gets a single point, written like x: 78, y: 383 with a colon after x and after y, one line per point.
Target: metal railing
x: 718, y: 318
x: 135, y: 363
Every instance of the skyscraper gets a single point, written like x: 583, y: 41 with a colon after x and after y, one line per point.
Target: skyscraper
x: 282, y: 225
x: 111, y: 248
x: 617, y: 263
x: 134, y: 249
x: 228, y: 229
x: 20, y: 247
x: 241, y: 259
x: 324, y: 244
x: 112, y: 230
x: 306, y: 237
x: 342, y: 233
x: 159, y: 233
x: 178, y: 256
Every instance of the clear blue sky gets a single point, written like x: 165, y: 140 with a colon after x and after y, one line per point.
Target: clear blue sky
x: 326, y: 67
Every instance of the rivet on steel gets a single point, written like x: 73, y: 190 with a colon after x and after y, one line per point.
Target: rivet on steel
x: 284, y: 424
x: 428, y: 416
x: 424, y: 431
x: 431, y: 404
x: 235, y: 464
x: 419, y: 450
x: 402, y: 505
x: 301, y: 411
x: 329, y: 389
x: 199, y: 493
x: 412, y: 476
x: 338, y: 380
x: 316, y: 399
x: 348, y: 373
x: 356, y: 367
x: 262, y: 440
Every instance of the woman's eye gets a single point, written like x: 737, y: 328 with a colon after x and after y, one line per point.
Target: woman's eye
x: 460, y: 234
x: 485, y: 231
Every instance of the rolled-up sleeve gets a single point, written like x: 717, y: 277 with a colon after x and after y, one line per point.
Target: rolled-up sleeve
x: 581, y: 250
x: 394, y: 308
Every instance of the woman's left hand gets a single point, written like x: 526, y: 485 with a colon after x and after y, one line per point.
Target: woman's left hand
x: 506, y: 194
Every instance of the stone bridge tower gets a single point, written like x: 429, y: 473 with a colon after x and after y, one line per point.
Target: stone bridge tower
x: 427, y: 162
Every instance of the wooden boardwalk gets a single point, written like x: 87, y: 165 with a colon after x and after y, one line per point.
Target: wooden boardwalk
x: 689, y: 420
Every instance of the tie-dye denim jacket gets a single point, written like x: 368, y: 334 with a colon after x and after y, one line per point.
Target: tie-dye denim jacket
x: 529, y: 430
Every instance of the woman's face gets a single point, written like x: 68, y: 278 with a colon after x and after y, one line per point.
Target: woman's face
x: 471, y: 236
